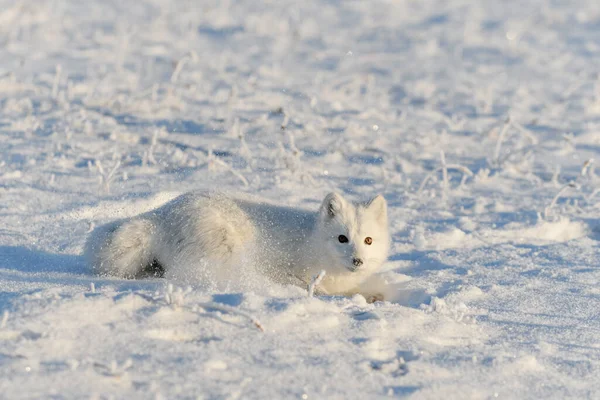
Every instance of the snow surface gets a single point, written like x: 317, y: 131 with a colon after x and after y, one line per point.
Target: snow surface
x: 109, y: 108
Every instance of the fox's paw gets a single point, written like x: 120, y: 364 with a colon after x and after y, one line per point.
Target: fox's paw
x: 375, y: 297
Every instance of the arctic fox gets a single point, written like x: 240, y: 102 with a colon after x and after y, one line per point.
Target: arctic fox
x: 214, y: 238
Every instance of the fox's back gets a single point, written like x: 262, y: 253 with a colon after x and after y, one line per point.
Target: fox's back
x: 276, y: 228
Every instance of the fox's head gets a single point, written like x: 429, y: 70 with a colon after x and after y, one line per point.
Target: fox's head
x: 355, y: 235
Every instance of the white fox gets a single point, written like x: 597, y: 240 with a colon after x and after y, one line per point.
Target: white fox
x: 212, y: 238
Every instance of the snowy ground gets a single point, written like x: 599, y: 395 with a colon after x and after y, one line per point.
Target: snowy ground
x: 109, y: 108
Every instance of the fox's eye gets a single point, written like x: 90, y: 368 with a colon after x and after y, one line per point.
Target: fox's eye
x: 368, y: 240
x: 343, y: 239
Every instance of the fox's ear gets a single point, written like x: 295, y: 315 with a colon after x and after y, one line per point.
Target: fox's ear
x: 378, y: 207
x: 332, y: 205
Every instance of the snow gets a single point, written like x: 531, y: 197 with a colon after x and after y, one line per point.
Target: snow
x: 109, y: 109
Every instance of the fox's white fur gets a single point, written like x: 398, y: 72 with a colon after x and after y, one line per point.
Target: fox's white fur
x: 214, y: 238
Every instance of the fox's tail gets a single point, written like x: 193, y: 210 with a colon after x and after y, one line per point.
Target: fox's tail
x: 122, y: 248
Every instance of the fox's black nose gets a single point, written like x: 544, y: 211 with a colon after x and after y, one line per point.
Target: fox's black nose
x: 357, y: 262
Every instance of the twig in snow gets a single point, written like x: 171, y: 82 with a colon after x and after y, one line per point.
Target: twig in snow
x: 305, y: 177
x: 505, y: 128
x: 454, y: 122
x: 175, y: 297
x: 570, y: 185
x: 233, y: 95
x: 554, y: 179
x: 91, y: 227
x: 190, y: 56
x: 213, y: 160
x: 235, y: 127
x: 526, y: 132
x: 148, y: 157
x: 295, y: 150
x: 232, y: 310
x: 316, y: 280
x: 466, y: 172
x: 286, y: 121
x: 244, y: 152
x: 292, y: 161
x: 5, y: 316
x: 587, y: 167
x: 114, y: 369
x: 56, y: 81
x: 107, y: 178
x: 169, y: 299
x: 592, y: 195
x: 444, y: 174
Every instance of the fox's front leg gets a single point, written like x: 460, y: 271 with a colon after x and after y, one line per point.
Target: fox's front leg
x: 371, y: 297
x: 375, y: 297
x: 375, y: 288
